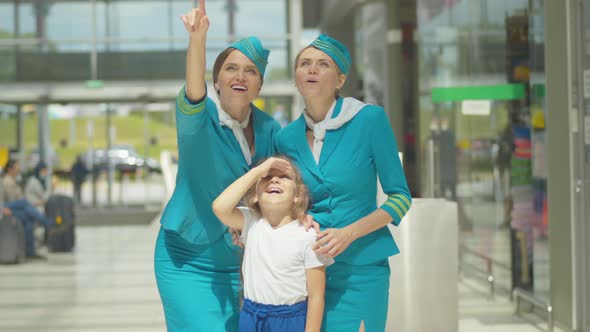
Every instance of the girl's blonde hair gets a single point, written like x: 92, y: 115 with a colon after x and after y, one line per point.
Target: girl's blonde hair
x: 299, y: 207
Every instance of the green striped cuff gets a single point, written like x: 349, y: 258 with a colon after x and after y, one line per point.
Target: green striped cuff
x: 397, y: 205
x: 183, y: 104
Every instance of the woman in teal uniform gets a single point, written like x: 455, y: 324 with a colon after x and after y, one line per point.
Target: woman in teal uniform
x: 196, y: 265
x: 341, y: 146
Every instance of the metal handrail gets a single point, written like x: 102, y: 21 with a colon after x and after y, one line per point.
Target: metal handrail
x: 519, y: 293
x: 489, y: 269
x: 477, y: 253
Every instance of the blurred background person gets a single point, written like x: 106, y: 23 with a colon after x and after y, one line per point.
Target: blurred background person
x: 36, y: 191
x: 78, y: 173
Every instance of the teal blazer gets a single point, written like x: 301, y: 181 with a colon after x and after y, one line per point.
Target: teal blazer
x: 343, y: 185
x: 209, y: 160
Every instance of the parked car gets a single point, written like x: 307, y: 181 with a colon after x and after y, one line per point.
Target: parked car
x: 123, y: 158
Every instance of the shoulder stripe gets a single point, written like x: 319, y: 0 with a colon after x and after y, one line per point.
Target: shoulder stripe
x: 187, y: 108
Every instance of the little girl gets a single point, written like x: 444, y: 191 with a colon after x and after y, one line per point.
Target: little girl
x: 284, y: 279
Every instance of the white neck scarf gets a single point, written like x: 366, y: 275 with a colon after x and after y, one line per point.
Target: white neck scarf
x: 238, y: 130
x: 350, y: 108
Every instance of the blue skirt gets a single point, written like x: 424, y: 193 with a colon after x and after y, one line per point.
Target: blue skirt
x: 355, y: 294
x: 199, y: 285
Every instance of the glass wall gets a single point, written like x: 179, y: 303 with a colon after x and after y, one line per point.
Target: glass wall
x: 481, y: 109
x: 126, y: 40
x: 8, y: 127
x: 538, y: 114
x: 7, y: 30
x: 370, y: 52
x: 54, y: 41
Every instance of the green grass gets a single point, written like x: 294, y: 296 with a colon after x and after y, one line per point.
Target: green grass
x: 129, y: 131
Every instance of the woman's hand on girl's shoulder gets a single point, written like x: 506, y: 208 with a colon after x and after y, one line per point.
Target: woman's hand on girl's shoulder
x: 333, y: 241
x: 308, y: 222
x: 196, y: 21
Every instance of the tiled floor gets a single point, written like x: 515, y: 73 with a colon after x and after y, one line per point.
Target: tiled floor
x: 477, y: 313
x: 108, y: 285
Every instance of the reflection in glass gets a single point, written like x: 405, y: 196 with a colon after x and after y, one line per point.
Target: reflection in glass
x: 7, y: 22
x: 477, y: 44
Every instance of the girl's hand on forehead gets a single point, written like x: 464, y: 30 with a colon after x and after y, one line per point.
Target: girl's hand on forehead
x: 277, y: 164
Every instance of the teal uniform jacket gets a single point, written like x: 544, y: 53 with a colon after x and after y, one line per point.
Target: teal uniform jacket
x: 210, y: 159
x: 343, y: 185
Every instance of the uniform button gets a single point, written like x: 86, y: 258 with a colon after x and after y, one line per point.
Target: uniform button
x: 329, y: 210
x: 326, y: 195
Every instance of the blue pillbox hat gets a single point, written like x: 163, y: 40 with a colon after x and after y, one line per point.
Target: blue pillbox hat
x: 252, y: 48
x: 336, y: 50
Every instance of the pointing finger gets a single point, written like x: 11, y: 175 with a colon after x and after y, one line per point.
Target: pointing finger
x: 202, y: 6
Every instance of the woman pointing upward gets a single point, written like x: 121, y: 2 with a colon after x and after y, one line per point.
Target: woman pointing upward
x: 196, y: 264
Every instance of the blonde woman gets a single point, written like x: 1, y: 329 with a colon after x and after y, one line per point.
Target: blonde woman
x: 341, y: 146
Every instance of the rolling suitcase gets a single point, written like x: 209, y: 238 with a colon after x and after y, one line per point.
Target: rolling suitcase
x: 12, y: 236
x: 61, y: 235
x: 12, y: 240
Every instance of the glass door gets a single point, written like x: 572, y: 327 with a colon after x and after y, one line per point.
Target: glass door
x: 581, y: 174
x: 473, y: 131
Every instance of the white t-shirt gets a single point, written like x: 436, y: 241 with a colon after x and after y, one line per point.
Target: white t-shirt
x: 275, y: 260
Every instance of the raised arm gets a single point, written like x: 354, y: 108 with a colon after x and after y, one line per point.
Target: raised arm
x: 196, y: 24
x: 225, y: 206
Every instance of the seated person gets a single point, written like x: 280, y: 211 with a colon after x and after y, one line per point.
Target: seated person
x: 21, y: 208
x: 36, y: 191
